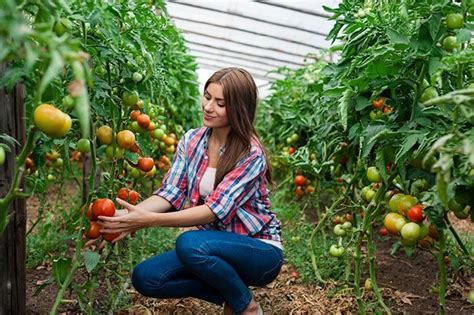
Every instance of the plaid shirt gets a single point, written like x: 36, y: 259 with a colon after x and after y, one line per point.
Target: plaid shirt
x: 240, y: 201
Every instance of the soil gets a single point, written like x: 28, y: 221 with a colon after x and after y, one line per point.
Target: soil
x: 406, y: 284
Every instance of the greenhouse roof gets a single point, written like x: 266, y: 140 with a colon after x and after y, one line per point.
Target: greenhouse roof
x: 256, y: 35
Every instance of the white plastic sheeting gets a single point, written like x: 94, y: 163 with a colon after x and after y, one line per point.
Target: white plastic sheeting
x: 256, y: 35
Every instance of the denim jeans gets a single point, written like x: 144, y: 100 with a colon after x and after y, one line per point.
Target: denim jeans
x: 215, y: 266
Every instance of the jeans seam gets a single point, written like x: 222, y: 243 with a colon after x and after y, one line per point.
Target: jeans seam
x: 162, y: 284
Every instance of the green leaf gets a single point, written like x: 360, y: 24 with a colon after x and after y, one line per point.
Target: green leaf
x: 91, y: 259
x: 361, y: 103
x: 55, y: 66
x: 409, y: 142
x: 463, y: 35
x: 61, y: 268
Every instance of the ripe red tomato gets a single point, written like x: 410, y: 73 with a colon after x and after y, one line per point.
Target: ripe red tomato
x: 104, y: 207
x: 299, y: 191
x: 291, y: 150
x: 109, y: 237
x: 146, y: 163
x: 143, y: 120
x: 383, y: 231
x: 134, y: 115
x: 378, y: 103
x: 415, y: 214
x: 133, y: 197
x: 94, y: 230
x: 300, y: 180
x: 123, y: 193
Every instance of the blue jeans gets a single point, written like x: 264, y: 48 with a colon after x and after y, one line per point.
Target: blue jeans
x: 215, y: 266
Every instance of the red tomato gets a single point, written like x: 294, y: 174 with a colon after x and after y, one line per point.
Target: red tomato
x: 300, y: 180
x: 109, y: 237
x: 299, y: 191
x: 94, y: 230
x: 123, y: 193
x: 133, y: 197
x: 143, y: 120
x: 378, y: 103
x: 383, y: 231
x: 291, y: 150
x: 134, y: 115
x: 104, y: 207
x: 146, y: 163
x: 415, y: 214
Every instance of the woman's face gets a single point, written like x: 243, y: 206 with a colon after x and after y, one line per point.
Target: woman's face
x: 214, y: 107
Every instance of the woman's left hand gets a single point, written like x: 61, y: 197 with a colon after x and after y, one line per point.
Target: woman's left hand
x: 135, y: 219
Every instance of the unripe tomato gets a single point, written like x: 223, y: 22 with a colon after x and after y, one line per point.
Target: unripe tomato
x: 300, y: 180
x: 415, y: 214
x: 135, y: 127
x: 428, y: 94
x: 146, y: 163
x: 130, y: 98
x: 373, y: 175
x: 394, y: 201
x: 450, y: 43
x: 367, y: 193
x: 61, y: 26
x: 139, y: 105
x: 144, y: 121
x: 102, y: 207
x: 394, y: 222
x: 68, y: 101
x: 51, y: 177
x: 58, y: 163
x: 309, y: 189
x: 137, y: 76
x: 336, y: 251
x: 368, y: 284
x: 295, y: 138
x: 454, y: 21
x: 170, y: 149
x: 134, y: 114
x: 135, y: 173
x: 375, y: 114
x: 133, y: 197
x: 158, y: 134
x: 410, y: 231
x: 109, y: 237
x: 126, y: 139
x: 105, y: 135
x: 151, y: 172
x: 169, y: 140
x: 52, y: 121
x: 151, y: 126
x: 405, y: 203
x: 109, y: 151
x: 83, y: 145
x: 3, y: 156
x: 347, y: 225
x: 339, y: 230
x: 471, y: 297
x: 94, y: 230
x: 123, y: 193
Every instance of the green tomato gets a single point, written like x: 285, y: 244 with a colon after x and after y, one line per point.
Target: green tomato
x: 373, y: 175
x: 424, y: 230
x: 295, y: 137
x: 339, y: 230
x: 68, y: 102
x: 289, y: 140
x: 411, y: 231
x: 51, y: 177
x: 368, y: 284
x: 58, y: 163
x: 454, y: 21
x: 135, y: 127
x: 158, y: 134
x: 135, y: 173
x: 3, y: 156
x: 428, y: 94
x: 119, y: 152
x: 471, y: 297
x: 347, y: 225
x: 367, y: 193
x: 375, y: 114
x: 62, y: 26
x: 450, y: 43
x: 137, y: 77
x: 130, y: 98
x: 336, y: 251
x: 83, y: 145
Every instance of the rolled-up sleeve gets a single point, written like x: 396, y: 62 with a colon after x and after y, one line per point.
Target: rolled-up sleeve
x: 236, y: 187
x: 175, y: 183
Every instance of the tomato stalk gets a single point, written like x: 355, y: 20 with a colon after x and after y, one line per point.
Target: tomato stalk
x: 417, y: 90
x: 320, y: 224
x: 15, y: 192
x: 456, y: 236
x: 443, y: 277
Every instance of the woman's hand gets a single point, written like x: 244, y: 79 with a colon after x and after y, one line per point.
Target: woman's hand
x: 135, y: 219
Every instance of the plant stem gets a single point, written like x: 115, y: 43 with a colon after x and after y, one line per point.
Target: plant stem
x: 443, y: 277
x: 456, y: 236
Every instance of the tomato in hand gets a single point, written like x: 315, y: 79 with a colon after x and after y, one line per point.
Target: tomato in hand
x: 102, y: 207
x: 109, y: 237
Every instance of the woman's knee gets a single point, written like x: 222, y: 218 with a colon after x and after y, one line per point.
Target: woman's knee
x: 191, y: 247
x: 140, y: 279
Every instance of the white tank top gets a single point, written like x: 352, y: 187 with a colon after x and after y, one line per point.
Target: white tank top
x: 206, y: 186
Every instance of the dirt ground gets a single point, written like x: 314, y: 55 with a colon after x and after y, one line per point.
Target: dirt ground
x: 406, y: 284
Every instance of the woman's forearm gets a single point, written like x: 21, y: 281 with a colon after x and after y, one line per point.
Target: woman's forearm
x: 155, y: 204
x: 185, y: 218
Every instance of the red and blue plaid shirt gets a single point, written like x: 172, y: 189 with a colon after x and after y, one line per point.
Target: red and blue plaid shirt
x: 240, y: 201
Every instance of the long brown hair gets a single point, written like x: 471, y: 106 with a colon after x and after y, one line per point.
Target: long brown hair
x: 240, y: 96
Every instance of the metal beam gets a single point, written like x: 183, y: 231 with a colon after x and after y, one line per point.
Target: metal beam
x: 192, y: 50
x: 234, y: 64
x: 246, y: 31
x: 287, y: 7
x: 244, y: 43
x: 248, y: 17
x: 245, y: 53
x: 215, y: 67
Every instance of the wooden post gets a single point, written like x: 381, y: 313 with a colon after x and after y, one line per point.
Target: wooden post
x: 13, y: 240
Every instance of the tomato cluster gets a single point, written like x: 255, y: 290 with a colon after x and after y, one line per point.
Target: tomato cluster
x: 303, y: 186
x: 101, y: 207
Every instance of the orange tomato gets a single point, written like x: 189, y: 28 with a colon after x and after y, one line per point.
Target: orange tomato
x: 146, y: 163
x: 144, y: 121
x: 134, y: 115
x: 105, y: 135
x: 126, y: 139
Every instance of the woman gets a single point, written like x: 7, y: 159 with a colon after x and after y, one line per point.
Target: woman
x: 223, y: 171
